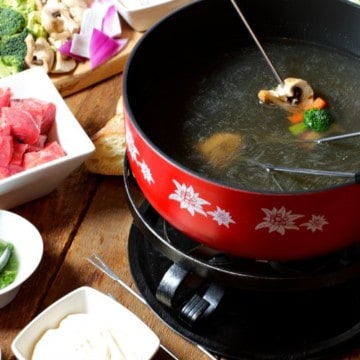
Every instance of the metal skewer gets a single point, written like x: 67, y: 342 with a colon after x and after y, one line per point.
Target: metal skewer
x: 337, y: 137
x: 272, y: 67
x: 352, y: 175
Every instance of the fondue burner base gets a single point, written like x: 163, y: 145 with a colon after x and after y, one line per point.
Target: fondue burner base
x: 248, y: 324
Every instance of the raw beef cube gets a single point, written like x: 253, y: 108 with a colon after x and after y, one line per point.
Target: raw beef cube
x: 22, y: 124
x: 39, y: 144
x: 5, y: 96
x: 6, y: 150
x: 10, y: 170
x: 4, y: 128
x: 14, y: 169
x: 4, y: 172
x: 18, y: 153
x: 44, y: 112
x: 51, y: 151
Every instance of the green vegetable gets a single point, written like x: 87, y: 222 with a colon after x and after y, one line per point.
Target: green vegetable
x: 34, y: 25
x: 9, y: 272
x: 317, y: 119
x: 12, y: 54
x: 25, y: 7
x: 18, y: 18
x: 297, y: 129
x: 11, y: 22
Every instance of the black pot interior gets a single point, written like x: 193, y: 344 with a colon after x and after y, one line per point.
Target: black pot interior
x: 160, y: 73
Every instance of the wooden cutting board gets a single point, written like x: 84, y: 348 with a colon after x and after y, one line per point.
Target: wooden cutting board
x: 83, y: 76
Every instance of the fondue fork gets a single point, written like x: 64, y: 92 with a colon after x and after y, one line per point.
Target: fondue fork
x: 351, y: 175
x: 257, y: 42
x: 100, y: 264
x: 336, y: 137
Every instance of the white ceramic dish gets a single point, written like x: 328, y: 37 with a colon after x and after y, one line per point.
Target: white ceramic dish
x: 142, y: 14
x: 139, y: 340
x: 41, y: 180
x: 28, y: 245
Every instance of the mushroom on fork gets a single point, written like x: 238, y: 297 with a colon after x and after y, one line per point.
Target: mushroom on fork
x: 293, y: 95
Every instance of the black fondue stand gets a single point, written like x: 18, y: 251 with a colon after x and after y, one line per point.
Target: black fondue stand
x: 245, y: 309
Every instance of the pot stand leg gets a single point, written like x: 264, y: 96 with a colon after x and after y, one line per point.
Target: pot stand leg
x: 201, y: 303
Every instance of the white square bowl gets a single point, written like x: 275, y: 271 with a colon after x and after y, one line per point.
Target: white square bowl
x: 138, y: 339
x: 43, y: 179
x: 142, y: 14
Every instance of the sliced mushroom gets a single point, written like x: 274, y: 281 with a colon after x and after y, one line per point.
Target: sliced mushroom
x: 77, y: 13
x: 294, y: 94
x: 56, y: 18
x: 76, y: 3
x: 63, y: 64
x: 39, y: 53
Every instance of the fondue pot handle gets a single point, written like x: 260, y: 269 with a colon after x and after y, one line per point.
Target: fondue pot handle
x: 200, y: 305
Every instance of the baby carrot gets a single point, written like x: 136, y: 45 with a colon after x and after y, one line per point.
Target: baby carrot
x: 296, y: 117
x: 318, y: 103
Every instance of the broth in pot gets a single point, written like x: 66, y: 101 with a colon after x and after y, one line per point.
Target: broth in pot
x: 226, y: 133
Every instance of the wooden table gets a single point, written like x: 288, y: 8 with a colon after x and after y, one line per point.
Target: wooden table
x: 86, y: 214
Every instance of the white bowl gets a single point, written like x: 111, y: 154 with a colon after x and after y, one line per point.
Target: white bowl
x: 43, y: 179
x: 138, y: 339
x: 142, y: 14
x: 28, y: 246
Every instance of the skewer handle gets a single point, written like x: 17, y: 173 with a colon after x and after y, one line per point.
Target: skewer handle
x: 337, y: 137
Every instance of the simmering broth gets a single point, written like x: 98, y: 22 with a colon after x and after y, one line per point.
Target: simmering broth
x: 223, y: 98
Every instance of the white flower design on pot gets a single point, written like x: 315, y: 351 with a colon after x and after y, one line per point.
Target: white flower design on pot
x: 316, y: 222
x: 145, y: 170
x: 188, y: 199
x: 221, y: 216
x: 134, y: 152
x: 193, y: 203
x: 280, y: 220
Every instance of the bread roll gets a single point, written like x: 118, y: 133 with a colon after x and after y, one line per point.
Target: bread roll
x: 109, y: 142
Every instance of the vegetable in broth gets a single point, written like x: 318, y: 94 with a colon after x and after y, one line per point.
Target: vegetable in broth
x: 223, y: 98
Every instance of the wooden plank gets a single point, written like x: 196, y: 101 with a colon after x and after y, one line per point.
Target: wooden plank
x: 83, y: 76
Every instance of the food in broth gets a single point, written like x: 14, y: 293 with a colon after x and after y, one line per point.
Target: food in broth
x: 294, y: 95
x: 222, y: 98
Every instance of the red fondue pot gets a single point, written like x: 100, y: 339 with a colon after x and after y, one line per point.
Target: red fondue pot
x: 241, y: 222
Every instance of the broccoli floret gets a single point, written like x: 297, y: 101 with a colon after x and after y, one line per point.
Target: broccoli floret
x: 10, y: 65
x: 12, y: 54
x: 11, y: 22
x: 25, y: 7
x: 34, y: 25
x: 317, y: 119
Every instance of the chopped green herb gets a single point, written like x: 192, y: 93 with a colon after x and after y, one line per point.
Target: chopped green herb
x: 9, y: 272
